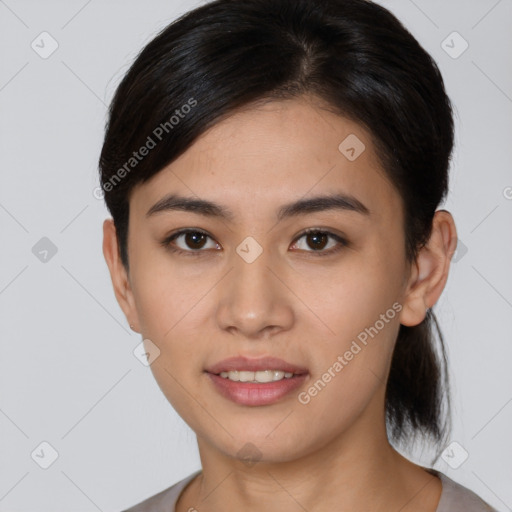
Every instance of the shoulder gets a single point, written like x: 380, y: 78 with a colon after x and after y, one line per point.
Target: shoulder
x: 457, y: 498
x: 164, y: 501
x: 454, y: 497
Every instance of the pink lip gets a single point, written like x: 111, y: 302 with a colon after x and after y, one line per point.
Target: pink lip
x: 254, y: 365
x: 250, y: 393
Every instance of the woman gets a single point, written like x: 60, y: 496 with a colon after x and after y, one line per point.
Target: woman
x: 273, y: 169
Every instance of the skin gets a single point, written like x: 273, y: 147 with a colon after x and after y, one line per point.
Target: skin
x: 329, y: 454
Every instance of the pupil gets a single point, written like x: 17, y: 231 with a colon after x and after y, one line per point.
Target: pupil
x: 194, y: 237
x: 316, y: 237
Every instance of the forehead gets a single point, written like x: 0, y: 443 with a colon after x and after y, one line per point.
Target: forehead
x: 267, y: 154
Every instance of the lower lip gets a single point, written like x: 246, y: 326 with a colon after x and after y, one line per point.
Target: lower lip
x: 249, y: 393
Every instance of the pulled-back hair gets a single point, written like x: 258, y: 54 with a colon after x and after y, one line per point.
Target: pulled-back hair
x: 357, y: 57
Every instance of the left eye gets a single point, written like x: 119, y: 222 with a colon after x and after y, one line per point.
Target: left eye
x: 318, y: 240
x: 195, y: 240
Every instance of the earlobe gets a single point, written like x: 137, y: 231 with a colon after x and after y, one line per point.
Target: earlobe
x: 414, y: 306
x: 118, y: 273
x: 430, y: 270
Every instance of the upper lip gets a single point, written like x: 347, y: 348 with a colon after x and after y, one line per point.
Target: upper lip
x: 253, y: 365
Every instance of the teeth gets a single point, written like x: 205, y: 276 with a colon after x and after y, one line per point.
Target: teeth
x: 260, y: 376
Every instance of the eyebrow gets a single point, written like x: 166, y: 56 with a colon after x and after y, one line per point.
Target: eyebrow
x: 340, y: 202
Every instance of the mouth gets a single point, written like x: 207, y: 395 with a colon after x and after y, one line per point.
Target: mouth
x: 254, y: 382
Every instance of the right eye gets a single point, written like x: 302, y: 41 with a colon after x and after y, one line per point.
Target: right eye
x: 193, y: 239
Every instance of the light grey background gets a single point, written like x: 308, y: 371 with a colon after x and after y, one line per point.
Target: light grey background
x: 68, y: 375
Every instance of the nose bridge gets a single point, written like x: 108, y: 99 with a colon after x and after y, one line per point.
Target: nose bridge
x: 251, y: 276
x: 252, y: 270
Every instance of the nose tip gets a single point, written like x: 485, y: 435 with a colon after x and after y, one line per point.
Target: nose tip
x: 253, y: 301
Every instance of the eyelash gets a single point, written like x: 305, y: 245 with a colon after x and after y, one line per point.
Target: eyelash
x: 342, y: 243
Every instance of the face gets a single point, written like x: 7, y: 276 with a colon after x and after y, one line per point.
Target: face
x: 253, y: 283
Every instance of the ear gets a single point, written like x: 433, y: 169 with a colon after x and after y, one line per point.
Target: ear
x: 118, y: 274
x: 430, y: 270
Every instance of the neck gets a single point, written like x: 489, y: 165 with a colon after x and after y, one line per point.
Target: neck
x: 358, y: 470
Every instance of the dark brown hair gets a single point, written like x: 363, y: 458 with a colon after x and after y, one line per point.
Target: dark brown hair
x: 353, y: 54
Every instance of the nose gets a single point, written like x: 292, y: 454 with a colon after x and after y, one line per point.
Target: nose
x: 254, y: 300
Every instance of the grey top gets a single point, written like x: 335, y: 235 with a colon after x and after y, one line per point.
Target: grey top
x: 454, y: 497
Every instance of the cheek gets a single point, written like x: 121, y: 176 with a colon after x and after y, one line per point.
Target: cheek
x: 171, y: 307
x: 350, y: 374
x: 351, y: 297
x: 165, y: 293
x: 359, y: 305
